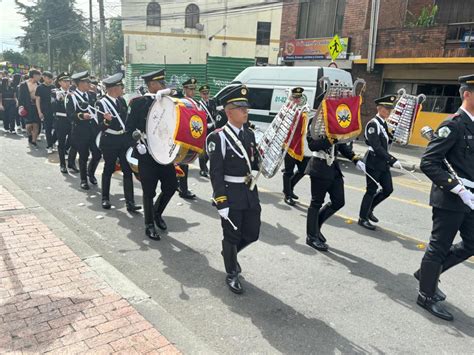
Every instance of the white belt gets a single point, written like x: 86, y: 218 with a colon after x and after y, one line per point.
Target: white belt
x: 235, y: 179
x: 115, y: 133
x: 468, y: 183
x: 319, y: 154
x: 61, y: 114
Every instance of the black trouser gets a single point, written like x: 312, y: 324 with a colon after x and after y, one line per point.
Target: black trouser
x: 63, y: 132
x: 49, y: 129
x: 9, y: 115
x: 441, y: 254
x: 248, y: 229
x: 290, y: 178
x: 183, y: 181
x: 84, y: 147
x: 372, y: 197
x: 150, y: 173
x: 203, y: 159
x: 113, y: 148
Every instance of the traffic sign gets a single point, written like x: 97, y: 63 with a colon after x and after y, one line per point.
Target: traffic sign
x: 335, y: 47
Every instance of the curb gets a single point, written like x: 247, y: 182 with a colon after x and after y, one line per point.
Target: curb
x: 159, y: 317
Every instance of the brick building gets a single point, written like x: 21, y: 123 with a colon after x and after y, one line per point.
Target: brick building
x: 410, y: 51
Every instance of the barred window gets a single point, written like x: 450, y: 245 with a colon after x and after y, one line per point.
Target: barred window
x: 153, y: 14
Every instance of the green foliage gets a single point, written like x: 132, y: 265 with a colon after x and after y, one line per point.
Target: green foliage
x: 427, y: 17
x: 14, y: 57
x: 68, y: 33
x: 113, y: 45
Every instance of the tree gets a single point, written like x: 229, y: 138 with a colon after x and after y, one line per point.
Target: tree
x: 68, y: 33
x: 14, y: 57
x: 113, y: 45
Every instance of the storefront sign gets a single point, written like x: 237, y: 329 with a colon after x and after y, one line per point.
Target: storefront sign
x: 312, y: 49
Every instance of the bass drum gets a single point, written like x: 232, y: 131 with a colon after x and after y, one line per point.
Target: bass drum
x: 160, y: 129
x: 133, y: 162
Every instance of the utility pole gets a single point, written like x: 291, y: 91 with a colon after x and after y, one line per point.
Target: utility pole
x: 91, y: 39
x: 103, y: 58
x: 49, y: 45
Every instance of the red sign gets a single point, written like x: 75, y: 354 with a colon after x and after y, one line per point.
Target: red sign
x: 312, y: 49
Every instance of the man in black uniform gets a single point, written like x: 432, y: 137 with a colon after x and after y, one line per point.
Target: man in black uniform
x: 209, y: 106
x: 114, y: 140
x: 378, y: 161
x: 290, y: 177
x: 451, y: 198
x: 189, y: 88
x: 80, y: 110
x: 150, y: 171
x: 63, y: 125
x: 326, y: 177
x: 233, y: 155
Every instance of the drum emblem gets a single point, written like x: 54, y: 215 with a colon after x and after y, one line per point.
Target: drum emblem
x: 343, y: 115
x: 196, y: 125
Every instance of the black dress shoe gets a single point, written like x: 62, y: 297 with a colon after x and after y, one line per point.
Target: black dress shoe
x: 294, y: 197
x: 73, y: 168
x: 204, y: 173
x: 289, y: 201
x: 322, y: 237
x: 150, y: 232
x: 435, y: 308
x: 160, y: 222
x: 366, y: 224
x: 232, y: 280
x: 63, y: 169
x: 93, y: 180
x: 84, y: 185
x: 188, y: 195
x: 106, y: 204
x: 439, y: 295
x: 373, y: 218
x: 132, y: 207
x: 317, y: 244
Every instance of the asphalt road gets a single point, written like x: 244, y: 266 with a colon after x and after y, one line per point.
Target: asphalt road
x: 358, y: 298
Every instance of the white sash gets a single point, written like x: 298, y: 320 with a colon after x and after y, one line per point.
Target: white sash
x: 75, y: 98
x: 239, y: 144
x: 204, y: 107
x: 109, y: 108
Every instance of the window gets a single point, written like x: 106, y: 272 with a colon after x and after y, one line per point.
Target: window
x: 441, y: 98
x: 261, y: 61
x: 260, y: 99
x: 263, y: 33
x: 192, y: 16
x: 454, y: 11
x: 153, y: 14
x: 320, y: 18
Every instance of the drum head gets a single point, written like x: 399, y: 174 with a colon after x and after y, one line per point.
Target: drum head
x: 160, y: 127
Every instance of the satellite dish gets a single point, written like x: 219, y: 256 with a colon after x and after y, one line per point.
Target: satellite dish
x: 199, y: 27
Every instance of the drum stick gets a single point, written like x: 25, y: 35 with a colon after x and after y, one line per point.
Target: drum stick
x: 411, y: 174
x: 227, y: 219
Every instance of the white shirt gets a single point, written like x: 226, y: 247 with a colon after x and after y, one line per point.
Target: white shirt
x: 235, y: 129
x: 467, y: 113
x: 113, y: 99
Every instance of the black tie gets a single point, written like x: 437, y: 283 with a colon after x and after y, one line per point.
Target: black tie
x: 241, y: 136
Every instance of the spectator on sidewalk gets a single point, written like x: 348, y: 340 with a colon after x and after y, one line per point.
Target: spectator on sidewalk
x: 27, y: 105
x: 44, y: 105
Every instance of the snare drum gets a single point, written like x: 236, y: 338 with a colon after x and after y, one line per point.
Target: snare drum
x: 160, y: 128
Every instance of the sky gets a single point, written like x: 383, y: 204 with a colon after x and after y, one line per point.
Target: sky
x: 11, y: 21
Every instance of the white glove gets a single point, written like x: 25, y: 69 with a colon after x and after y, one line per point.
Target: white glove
x: 398, y: 165
x: 141, y: 148
x: 360, y: 165
x: 466, y: 196
x: 158, y: 96
x: 224, y: 212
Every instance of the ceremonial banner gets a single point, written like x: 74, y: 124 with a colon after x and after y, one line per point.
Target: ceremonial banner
x: 342, y: 117
x: 296, y: 146
x: 191, y: 127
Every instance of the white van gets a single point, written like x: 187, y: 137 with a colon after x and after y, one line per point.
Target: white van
x: 268, y: 87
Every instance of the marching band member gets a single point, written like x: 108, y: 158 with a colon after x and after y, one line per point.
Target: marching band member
x: 63, y: 126
x: 233, y: 155
x: 209, y: 106
x: 114, y: 140
x: 79, y: 109
x: 8, y: 103
x: 189, y: 88
x: 150, y: 171
x: 378, y: 161
x: 326, y: 177
x: 290, y: 177
x: 452, y: 200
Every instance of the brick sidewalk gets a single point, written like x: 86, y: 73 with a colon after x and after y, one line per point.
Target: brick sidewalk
x: 51, y: 302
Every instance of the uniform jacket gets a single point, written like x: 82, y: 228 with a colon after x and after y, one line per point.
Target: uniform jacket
x: 59, y: 105
x: 224, y: 161
x: 83, y: 130
x: 454, y: 141
x: 107, y: 104
x: 378, y: 138
x: 211, y: 109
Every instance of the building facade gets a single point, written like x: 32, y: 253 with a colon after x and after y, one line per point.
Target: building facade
x: 181, y: 32
x: 420, y: 45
